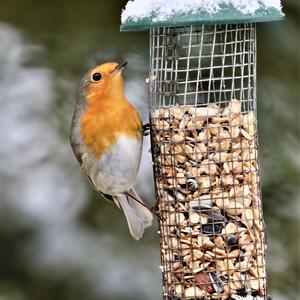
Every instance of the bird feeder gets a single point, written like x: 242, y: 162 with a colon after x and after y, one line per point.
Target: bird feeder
x: 203, y: 115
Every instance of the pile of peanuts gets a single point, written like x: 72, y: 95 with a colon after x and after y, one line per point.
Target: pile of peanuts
x: 211, y: 224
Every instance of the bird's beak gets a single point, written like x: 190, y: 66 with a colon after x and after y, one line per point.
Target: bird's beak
x: 120, y: 67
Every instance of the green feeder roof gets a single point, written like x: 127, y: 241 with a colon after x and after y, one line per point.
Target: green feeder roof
x: 140, y: 15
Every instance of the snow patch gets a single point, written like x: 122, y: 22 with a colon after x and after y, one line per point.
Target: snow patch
x: 161, y: 10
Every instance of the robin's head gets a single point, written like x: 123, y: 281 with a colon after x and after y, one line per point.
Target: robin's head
x: 103, y: 81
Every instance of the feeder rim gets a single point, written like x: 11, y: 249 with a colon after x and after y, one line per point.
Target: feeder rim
x: 228, y: 15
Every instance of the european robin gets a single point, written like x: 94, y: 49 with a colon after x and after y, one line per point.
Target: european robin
x: 106, y: 137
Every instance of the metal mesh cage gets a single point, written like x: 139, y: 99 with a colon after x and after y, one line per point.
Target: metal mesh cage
x: 202, y: 93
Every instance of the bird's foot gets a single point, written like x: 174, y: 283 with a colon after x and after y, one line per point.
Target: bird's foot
x: 146, y: 129
x: 155, y: 211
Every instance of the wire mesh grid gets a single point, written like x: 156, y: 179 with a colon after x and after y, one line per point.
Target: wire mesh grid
x: 202, y: 93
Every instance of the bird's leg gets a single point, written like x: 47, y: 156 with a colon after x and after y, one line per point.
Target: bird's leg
x: 155, y: 211
x: 146, y: 129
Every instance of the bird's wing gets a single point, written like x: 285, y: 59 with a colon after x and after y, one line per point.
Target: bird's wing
x: 76, y: 151
x: 76, y: 145
x: 78, y: 155
x: 104, y: 196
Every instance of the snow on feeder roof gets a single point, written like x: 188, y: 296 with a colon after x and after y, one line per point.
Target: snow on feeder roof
x: 145, y: 14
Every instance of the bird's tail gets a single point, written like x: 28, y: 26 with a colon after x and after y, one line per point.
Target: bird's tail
x: 137, y: 214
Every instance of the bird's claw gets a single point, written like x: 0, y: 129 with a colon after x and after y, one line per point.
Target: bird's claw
x: 155, y: 211
x: 146, y: 129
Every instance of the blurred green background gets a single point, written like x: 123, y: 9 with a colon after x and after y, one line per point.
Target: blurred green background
x: 58, y: 240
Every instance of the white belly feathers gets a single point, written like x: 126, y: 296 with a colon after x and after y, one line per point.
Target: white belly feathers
x: 115, y: 172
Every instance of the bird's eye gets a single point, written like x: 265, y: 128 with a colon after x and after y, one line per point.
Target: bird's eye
x: 96, y: 76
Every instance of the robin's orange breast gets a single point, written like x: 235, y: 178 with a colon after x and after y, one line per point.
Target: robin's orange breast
x: 102, y: 124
